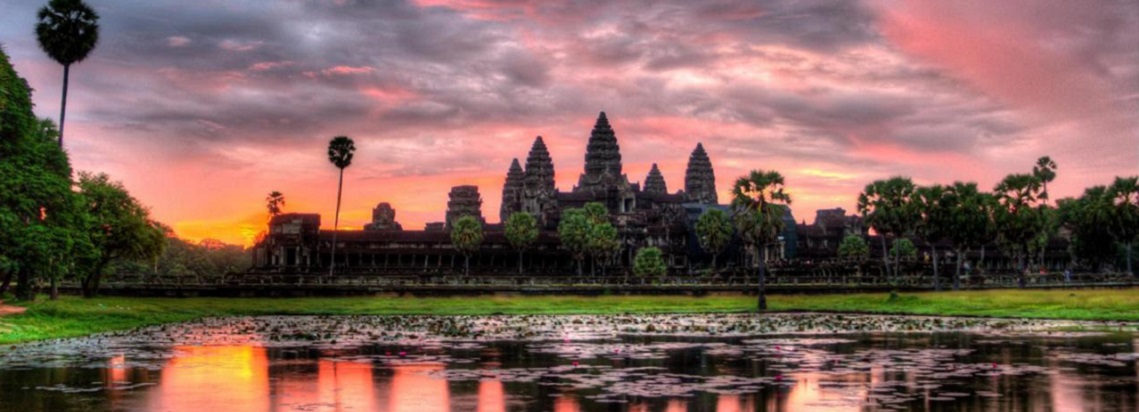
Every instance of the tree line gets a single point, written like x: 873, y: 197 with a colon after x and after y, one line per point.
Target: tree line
x: 57, y: 225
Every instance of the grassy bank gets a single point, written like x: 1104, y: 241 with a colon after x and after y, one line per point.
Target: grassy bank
x: 72, y: 316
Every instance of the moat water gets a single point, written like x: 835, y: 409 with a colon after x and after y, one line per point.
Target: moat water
x: 598, y: 363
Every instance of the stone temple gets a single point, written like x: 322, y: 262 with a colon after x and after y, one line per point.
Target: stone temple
x: 646, y: 215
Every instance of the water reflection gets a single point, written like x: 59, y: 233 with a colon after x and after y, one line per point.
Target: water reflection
x: 862, y: 373
x: 491, y: 396
x: 413, y: 390
x: 213, y: 378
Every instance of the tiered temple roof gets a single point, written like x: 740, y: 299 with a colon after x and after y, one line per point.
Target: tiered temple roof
x: 602, y: 159
x: 699, y: 179
x: 512, y: 191
x: 539, y: 175
x: 383, y: 219
x: 654, y: 183
x: 464, y: 201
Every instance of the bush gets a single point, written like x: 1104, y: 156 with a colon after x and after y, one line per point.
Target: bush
x: 649, y: 262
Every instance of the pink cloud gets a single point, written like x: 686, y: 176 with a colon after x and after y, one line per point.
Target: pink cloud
x: 177, y: 41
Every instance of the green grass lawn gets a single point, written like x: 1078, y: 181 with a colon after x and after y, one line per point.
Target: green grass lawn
x: 73, y: 316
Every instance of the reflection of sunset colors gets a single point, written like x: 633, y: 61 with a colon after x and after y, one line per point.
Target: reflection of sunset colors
x: 566, y: 403
x: 412, y: 390
x: 348, y: 385
x: 342, y: 386
x: 214, y: 378
x: 116, y: 372
x: 808, y: 395
x: 200, y: 113
x: 677, y: 405
x: 734, y: 403
x: 491, y: 396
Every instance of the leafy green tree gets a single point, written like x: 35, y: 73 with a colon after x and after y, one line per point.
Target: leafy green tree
x: 886, y: 207
x: 903, y: 249
x: 603, y: 244
x: 971, y: 226
x: 760, y: 203
x: 573, y: 230
x: 67, y: 31
x: 467, y: 236
x: 1017, y: 219
x: 597, y: 215
x: 714, y: 232
x: 41, y: 218
x: 934, y: 221
x: 596, y: 212
x: 649, y: 263
x: 853, y: 247
x: 340, y: 150
x: 274, y: 202
x: 119, y: 228
x: 1124, y: 195
x: 521, y: 231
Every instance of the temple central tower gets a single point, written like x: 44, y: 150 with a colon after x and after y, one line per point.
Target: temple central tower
x: 602, y: 160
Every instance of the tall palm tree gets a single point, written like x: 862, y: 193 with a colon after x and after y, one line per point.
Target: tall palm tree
x: 340, y: 151
x: 759, y: 203
x: 67, y: 31
x: 274, y: 202
x: 1045, y: 170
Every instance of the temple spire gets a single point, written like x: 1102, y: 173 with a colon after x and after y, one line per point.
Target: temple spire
x: 512, y: 191
x: 602, y: 154
x: 654, y: 183
x: 699, y: 178
x: 539, y: 175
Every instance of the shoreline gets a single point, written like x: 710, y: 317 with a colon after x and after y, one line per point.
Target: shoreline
x: 74, y: 316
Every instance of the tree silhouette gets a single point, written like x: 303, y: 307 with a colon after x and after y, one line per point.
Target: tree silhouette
x: 1045, y: 170
x: 340, y: 150
x: 760, y: 202
x: 886, y: 207
x: 933, y: 221
x: 67, y: 31
x: 1018, y: 222
x: 1124, y: 195
x: 970, y: 211
x: 274, y: 202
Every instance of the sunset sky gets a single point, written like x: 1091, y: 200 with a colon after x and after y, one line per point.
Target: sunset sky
x: 201, y: 108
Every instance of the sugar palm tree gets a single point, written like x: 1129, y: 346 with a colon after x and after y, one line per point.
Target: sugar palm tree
x: 340, y: 151
x: 467, y: 236
x: 67, y: 31
x: 759, y: 203
x: 1045, y: 170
